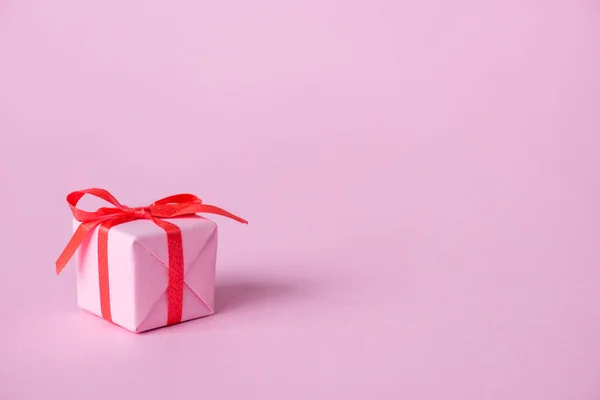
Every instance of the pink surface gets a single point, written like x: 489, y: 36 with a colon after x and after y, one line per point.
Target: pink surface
x: 138, y: 262
x: 421, y: 181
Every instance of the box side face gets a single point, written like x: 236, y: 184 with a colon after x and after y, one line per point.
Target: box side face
x: 120, y: 277
x: 200, y: 277
x: 151, y: 270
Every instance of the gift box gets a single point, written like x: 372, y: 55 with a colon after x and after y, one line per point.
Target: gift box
x: 146, y: 267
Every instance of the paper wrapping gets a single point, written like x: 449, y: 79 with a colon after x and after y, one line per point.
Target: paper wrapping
x: 138, y: 272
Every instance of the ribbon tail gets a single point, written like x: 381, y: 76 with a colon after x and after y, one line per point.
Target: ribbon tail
x: 205, y: 208
x: 73, y: 244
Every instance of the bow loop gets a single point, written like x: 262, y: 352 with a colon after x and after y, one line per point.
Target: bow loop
x: 88, y: 216
x: 179, y: 199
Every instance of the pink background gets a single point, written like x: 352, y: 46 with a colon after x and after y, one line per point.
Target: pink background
x: 421, y: 180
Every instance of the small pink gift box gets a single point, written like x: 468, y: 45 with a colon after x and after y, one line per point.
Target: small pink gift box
x: 145, y: 267
x: 138, y: 272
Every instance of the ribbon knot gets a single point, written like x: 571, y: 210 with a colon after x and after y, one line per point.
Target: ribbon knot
x: 142, y: 212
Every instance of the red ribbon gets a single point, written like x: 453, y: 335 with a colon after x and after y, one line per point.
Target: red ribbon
x: 106, y: 217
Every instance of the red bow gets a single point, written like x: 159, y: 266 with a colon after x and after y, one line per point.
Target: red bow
x: 173, y: 206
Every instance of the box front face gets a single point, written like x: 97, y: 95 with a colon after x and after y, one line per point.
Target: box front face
x: 120, y: 273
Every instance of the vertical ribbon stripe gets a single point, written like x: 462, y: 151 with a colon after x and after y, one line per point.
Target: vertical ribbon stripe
x: 103, y: 280
x: 176, y: 271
